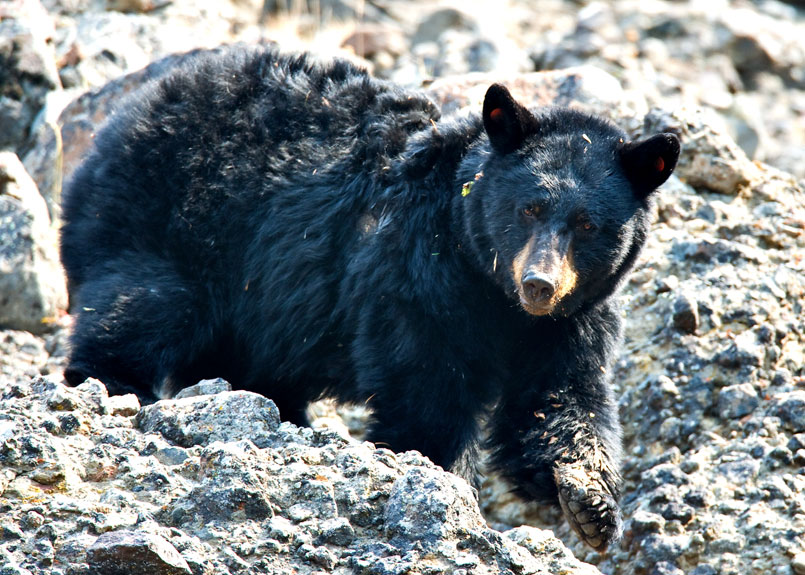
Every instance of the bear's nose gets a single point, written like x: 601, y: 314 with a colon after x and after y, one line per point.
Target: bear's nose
x: 538, y: 287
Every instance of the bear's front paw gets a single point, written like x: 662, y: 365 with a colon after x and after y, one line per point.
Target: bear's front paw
x: 589, y: 505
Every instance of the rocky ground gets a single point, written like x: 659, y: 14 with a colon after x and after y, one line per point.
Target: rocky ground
x: 711, y: 379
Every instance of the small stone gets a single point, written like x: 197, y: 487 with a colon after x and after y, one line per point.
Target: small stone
x: 203, y: 419
x: 667, y: 284
x: 796, y: 442
x: 337, y: 531
x: 798, y: 563
x: 643, y: 522
x: 171, y: 455
x: 737, y: 400
x: 204, y: 387
x: 48, y: 473
x: 699, y: 498
x: 134, y: 553
x: 32, y: 285
x: 686, y: 314
x: 280, y: 529
x: 123, y: 405
x: 60, y: 399
x: 666, y: 568
x: 678, y: 511
x: 790, y: 407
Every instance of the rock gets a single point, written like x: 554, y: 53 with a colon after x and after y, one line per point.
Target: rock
x: 80, y: 119
x: 643, y: 522
x: 306, y: 501
x: 204, y: 387
x: 44, y: 163
x: 434, y: 25
x: 798, y: 563
x: 421, y: 509
x: 203, y: 419
x: 710, y: 159
x: 370, y: 40
x: 44, y: 158
x: 32, y: 285
x: 134, y: 553
x: 325, y: 10
x: 666, y: 568
x: 686, y: 314
x: 737, y: 400
x: 790, y: 407
x: 585, y: 87
x: 28, y: 69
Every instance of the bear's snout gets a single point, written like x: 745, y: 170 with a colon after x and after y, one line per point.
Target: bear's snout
x: 538, y: 288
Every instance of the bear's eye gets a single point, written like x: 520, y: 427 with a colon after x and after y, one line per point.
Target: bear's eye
x: 586, y: 225
x: 530, y: 211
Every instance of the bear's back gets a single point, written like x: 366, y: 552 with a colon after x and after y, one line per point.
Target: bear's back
x: 218, y: 144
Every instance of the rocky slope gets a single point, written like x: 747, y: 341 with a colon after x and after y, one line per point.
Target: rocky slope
x: 711, y: 379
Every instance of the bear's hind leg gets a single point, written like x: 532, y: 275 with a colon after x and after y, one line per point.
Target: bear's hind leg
x: 138, y: 330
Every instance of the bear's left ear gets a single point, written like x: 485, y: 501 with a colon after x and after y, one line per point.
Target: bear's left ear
x: 507, y: 123
x: 648, y: 163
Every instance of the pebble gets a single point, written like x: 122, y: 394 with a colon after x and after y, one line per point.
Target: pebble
x: 736, y: 401
x: 686, y: 314
x: 798, y: 563
x: 135, y: 553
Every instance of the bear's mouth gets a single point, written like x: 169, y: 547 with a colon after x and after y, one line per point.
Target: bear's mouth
x: 536, y: 309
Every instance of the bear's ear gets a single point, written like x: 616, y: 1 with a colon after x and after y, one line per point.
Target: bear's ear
x: 506, y: 122
x: 649, y: 162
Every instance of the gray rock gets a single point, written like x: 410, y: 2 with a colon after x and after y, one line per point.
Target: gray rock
x: 307, y: 502
x: 421, y: 509
x: 686, y: 313
x: 28, y: 69
x: 435, y: 24
x: 134, y: 553
x: 666, y: 568
x: 32, y: 285
x: 737, y: 400
x: 204, y: 387
x: 585, y: 87
x: 790, y: 407
x: 203, y: 419
x: 798, y: 563
x: 644, y: 522
x: 710, y: 159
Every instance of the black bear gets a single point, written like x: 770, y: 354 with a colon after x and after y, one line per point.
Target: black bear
x: 304, y: 230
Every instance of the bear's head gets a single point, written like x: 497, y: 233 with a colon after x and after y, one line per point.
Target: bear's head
x: 561, y: 205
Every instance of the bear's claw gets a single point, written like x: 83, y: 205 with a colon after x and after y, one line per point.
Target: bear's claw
x: 588, y: 505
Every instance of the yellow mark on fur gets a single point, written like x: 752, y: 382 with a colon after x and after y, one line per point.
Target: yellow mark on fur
x: 466, y: 189
x: 586, y: 138
x: 568, y: 277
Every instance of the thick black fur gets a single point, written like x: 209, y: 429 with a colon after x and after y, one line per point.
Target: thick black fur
x: 304, y: 230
